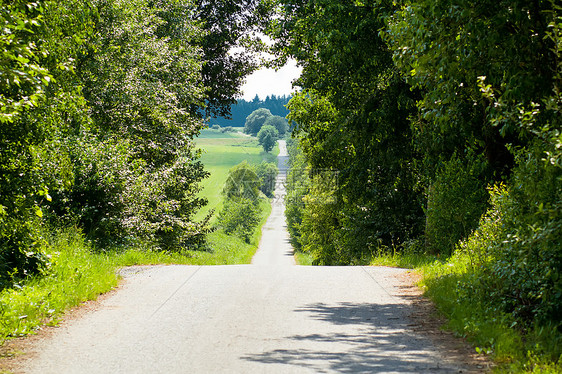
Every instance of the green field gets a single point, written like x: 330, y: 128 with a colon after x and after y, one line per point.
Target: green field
x: 222, y: 151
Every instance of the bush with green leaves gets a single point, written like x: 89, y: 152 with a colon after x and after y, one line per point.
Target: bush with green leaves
x: 240, y: 216
x: 241, y: 210
x: 279, y: 123
x: 456, y: 200
x: 297, y: 185
x: 267, y: 174
x: 256, y: 120
x: 40, y: 101
x: 267, y: 137
x: 242, y: 182
x: 523, y: 274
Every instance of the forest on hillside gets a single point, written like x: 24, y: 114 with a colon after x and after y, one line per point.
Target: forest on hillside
x: 241, y: 109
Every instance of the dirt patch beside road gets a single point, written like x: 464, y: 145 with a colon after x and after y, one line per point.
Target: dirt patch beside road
x: 426, y: 320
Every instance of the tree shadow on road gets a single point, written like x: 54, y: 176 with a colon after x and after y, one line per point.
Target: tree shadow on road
x: 363, y: 338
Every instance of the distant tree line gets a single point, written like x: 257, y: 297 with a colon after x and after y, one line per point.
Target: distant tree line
x: 242, y: 109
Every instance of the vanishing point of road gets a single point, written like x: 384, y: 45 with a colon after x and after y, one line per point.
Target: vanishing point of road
x: 268, y: 317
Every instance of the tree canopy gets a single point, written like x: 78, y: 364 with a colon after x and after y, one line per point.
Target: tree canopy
x: 255, y: 121
x: 430, y: 113
x: 267, y: 137
x: 279, y: 123
x: 99, y: 105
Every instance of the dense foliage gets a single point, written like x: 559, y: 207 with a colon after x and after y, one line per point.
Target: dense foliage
x: 267, y: 137
x: 410, y: 112
x: 256, y: 120
x: 100, y: 102
x: 241, y: 210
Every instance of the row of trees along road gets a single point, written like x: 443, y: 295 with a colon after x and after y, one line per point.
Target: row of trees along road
x: 418, y: 117
x: 99, y: 103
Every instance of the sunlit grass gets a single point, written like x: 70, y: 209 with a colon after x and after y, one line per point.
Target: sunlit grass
x: 303, y: 258
x: 402, y: 260
x: 452, y: 284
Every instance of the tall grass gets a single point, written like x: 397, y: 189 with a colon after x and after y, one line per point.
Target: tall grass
x: 75, y: 274
x: 449, y: 284
x: 516, y: 349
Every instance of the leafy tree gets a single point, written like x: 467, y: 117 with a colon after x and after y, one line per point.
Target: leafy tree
x: 255, y: 121
x: 297, y: 186
x: 239, y: 216
x: 424, y: 104
x: 279, y: 123
x: 352, y: 116
x: 141, y: 76
x: 228, y: 26
x: 267, y: 173
x: 241, y: 212
x: 242, y: 182
x: 267, y: 137
x: 40, y: 100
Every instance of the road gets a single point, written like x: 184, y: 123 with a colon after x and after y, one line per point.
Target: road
x: 267, y: 317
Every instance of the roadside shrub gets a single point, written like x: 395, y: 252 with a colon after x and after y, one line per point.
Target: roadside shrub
x: 240, y: 216
x: 514, y: 255
x: 456, y: 200
x: 267, y: 174
x: 242, y: 182
x: 296, y: 184
x: 117, y: 197
x: 523, y: 276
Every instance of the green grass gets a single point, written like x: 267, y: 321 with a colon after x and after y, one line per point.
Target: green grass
x: 303, y: 258
x: 75, y: 275
x: 529, y: 350
x: 210, y: 134
x: 401, y: 260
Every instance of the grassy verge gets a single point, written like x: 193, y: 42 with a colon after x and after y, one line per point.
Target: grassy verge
x: 76, y: 274
x: 514, y: 348
x: 303, y: 258
x: 448, y: 284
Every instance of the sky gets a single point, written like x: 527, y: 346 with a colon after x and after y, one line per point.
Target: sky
x: 267, y: 82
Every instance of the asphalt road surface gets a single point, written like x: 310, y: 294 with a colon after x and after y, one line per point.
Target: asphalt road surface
x: 267, y: 317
